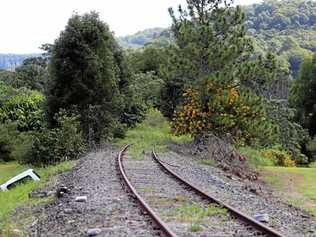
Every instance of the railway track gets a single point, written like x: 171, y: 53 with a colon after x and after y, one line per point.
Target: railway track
x: 236, y: 224
x: 158, y: 222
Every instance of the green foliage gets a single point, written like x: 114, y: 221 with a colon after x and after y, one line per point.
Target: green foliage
x: 22, y: 106
x: 225, y: 83
x: 281, y: 15
x: 311, y: 148
x: 10, y: 61
x: 157, y: 36
x: 9, y: 78
x: 154, y: 131
x: 291, y: 135
x: 274, y: 156
x: 286, y: 27
x: 146, y: 87
x: 8, y: 133
x: 196, y: 213
x: 51, y: 146
x: 88, y: 70
x: 279, y: 156
x: 147, y: 59
x: 195, y: 228
x: 255, y: 157
x: 14, y: 145
x: 33, y: 73
x: 304, y: 96
x: 19, y: 196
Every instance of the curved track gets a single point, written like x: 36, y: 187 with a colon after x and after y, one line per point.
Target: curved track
x: 247, y: 219
x: 161, y: 225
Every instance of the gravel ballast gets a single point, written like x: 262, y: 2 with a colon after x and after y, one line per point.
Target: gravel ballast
x: 249, y: 197
x: 183, y: 210
x: 96, y: 205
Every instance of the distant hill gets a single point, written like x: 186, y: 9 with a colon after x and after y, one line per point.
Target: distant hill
x: 158, y: 36
x: 11, y: 61
x: 286, y: 27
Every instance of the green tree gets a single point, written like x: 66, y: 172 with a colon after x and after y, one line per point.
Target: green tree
x: 33, y: 73
x: 303, y: 96
x: 23, y: 106
x: 211, y: 44
x: 147, y: 59
x: 87, y: 71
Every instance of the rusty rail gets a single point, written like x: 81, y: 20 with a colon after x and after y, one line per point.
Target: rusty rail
x: 162, y: 225
x: 249, y: 220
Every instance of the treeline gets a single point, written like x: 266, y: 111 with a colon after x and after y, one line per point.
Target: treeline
x: 86, y: 90
x: 285, y: 27
x: 161, y: 36
x: 215, y: 80
x: 281, y: 15
x: 81, y: 93
x: 12, y: 61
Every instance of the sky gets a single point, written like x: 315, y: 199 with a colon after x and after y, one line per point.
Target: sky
x: 27, y: 24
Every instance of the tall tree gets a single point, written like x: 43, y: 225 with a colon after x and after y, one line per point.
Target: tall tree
x: 303, y: 96
x: 211, y: 44
x: 88, y: 75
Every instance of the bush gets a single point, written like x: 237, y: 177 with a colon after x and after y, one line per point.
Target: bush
x: 23, y: 106
x: 63, y: 143
x: 311, y: 147
x: 8, y: 132
x: 255, y: 158
x: 13, y: 144
x: 275, y: 156
x: 223, y: 111
x: 278, y: 156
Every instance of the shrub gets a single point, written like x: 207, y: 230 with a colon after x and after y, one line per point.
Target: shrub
x: 311, y: 147
x: 278, y: 156
x: 14, y: 145
x: 23, y: 106
x: 255, y: 158
x: 223, y: 111
x: 51, y: 146
x: 8, y: 133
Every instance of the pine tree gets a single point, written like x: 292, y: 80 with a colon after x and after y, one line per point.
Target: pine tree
x: 211, y: 42
x: 214, y: 58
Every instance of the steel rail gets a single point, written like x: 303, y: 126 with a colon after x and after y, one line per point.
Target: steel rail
x: 160, y: 223
x: 249, y: 220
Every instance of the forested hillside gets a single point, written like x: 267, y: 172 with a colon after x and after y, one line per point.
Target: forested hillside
x: 286, y: 28
x: 11, y: 61
x: 217, y: 85
x: 158, y: 36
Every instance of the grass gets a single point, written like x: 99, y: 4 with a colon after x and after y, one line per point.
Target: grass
x: 195, y: 228
x: 18, y: 196
x: 255, y: 158
x: 154, y: 131
x: 208, y: 162
x: 275, y: 181
x: 313, y: 165
x: 195, y: 213
x: 296, y: 184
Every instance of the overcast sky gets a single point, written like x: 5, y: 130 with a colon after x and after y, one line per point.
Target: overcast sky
x: 27, y: 24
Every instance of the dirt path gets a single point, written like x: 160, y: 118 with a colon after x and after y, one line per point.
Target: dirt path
x: 108, y: 208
